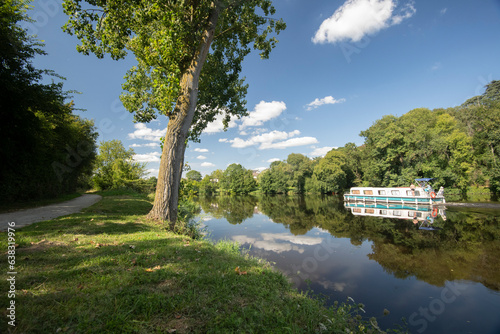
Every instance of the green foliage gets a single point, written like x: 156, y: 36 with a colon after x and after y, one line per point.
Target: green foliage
x: 208, y: 185
x: 237, y: 180
x: 193, y: 175
x: 46, y: 150
x: 115, y: 167
x: 275, y: 180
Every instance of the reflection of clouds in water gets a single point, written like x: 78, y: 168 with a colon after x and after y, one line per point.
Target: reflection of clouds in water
x: 319, y: 229
x: 336, y: 286
x: 278, y: 242
x: 294, y: 239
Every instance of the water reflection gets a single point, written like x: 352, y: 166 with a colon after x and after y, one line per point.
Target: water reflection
x: 384, y: 262
x: 422, y: 216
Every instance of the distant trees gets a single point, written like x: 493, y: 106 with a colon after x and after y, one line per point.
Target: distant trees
x: 193, y: 175
x: 237, y: 180
x: 459, y: 147
x: 115, y: 167
x: 46, y: 150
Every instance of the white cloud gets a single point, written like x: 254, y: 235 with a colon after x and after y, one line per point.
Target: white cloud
x: 145, y: 133
x: 321, y: 151
x: 207, y: 164
x: 201, y: 150
x: 263, y: 139
x: 326, y: 100
x: 300, y: 141
x: 201, y: 157
x: 218, y: 126
x: 264, y: 111
x: 145, y: 145
x: 358, y: 18
x: 443, y: 11
x: 273, y: 160
x: 148, y: 157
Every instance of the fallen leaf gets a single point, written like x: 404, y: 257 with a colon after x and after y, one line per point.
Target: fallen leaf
x: 178, y: 316
x: 98, y: 245
x: 239, y: 272
x: 153, y: 269
x: 132, y: 246
x: 76, y: 239
x: 134, y: 262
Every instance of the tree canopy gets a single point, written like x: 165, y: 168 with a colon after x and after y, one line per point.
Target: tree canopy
x: 46, y: 149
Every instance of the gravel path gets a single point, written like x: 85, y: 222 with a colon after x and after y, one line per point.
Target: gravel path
x: 29, y: 216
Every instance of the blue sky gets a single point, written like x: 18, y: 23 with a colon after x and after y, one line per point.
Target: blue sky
x: 339, y: 67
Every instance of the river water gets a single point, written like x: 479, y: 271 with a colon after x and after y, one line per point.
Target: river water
x: 438, y: 268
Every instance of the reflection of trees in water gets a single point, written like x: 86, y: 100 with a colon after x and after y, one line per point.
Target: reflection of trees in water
x: 235, y: 209
x: 466, y: 247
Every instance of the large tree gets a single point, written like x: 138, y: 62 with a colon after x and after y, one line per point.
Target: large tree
x: 189, y: 55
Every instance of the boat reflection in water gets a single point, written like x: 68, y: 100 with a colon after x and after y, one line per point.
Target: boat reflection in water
x: 422, y: 216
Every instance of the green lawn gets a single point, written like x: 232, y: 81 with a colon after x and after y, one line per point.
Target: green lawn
x: 110, y: 270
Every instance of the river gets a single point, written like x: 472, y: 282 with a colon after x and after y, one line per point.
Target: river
x: 438, y: 268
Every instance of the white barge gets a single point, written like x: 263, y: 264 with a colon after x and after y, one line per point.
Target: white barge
x: 420, y: 194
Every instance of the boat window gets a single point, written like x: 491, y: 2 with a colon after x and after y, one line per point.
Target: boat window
x: 395, y: 192
x: 369, y: 211
x: 356, y: 210
x: 355, y: 192
x: 383, y: 212
x: 381, y: 192
x: 368, y: 192
x: 396, y: 213
x: 417, y: 193
x: 410, y: 193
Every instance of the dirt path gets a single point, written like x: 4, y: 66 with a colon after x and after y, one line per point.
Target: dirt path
x: 29, y: 216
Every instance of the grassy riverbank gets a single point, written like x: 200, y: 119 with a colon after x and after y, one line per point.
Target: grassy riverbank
x: 108, y: 269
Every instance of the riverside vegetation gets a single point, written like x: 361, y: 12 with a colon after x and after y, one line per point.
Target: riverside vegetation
x: 109, y: 269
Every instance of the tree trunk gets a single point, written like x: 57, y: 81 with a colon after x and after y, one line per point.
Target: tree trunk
x: 172, y: 158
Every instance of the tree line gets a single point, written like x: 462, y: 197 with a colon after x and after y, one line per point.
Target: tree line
x: 458, y: 146
x: 46, y: 149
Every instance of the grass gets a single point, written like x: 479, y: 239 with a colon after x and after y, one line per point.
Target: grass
x: 110, y: 270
